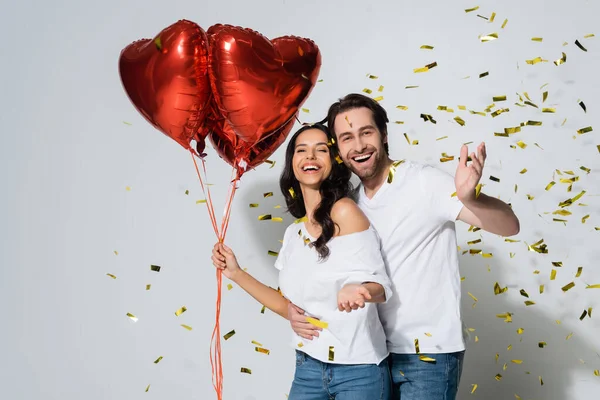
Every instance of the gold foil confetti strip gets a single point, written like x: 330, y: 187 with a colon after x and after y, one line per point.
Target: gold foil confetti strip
x: 229, y: 286
x: 541, y: 381
x: 583, y: 315
x: 253, y: 205
x: 348, y: 121
x: 473, y: 297
x: 427, y: 117
x: 428, y: 334
x: 569, y: 336
x: 262, y: 350
x: 584, y: 218
x: 264, y: 217
x: 597, y: 372
x: 561, y: 60
x: 306, y: 110
x: 331, y: 353
x: 407, y: 139
x: 549, y: 110
x: 380, y: 88
x: 320, y: 80
x: 541, y: 289
x: 500, y: 111
x: 268, y: 194
x: 426, y: 47
x: 273, y: 253
x: 459, y: 120
x: 180, y: 311
x: 127, y: 123
x: 499, y: 98
x: 541, y: 345
x: 244, y: 370
x: 468, y: 10
x: 529, y: 303
x: 488, y: 38
x: 498, y: 377
x: 499, y: 290
x: 553, y: 275
x: 367, y: 91
x: 158, y: 43
x: 478, y: 113
x: 158, y: 360
x: 292, y: 193
x: 372, y: 76
x: 493, y: 178
x: 504, y: 23
x: 187, y: 192
x: 509, y: 347
x: 521, y: 144
x: 473, y: 388
x: 492, y: 17
x: 557, y: 264
x: 277, y: 219
x: 582, y: 105
x: 112, y: 276
x: 399, y: 122
x: 579, y: 271
x: 155, y: 268
x: 497, y: 357
x: 417, y: 348
x: 584, y: 130
x: 392, y: 171
x: 484, y: 74
x: 378, y: 98
x: 262, y: 310
x: 317, y: 323
x: 442, y: 138
x: 536, y: 60
x: 589, y: 312
x: 549, y: 186
x: 186, y: 327
x: 589, y: 35
x: 537, y: 39
x: 507, y: 317
x: 544, y: 96
x: 147, y: 388
x: 256, y: 343
x: 426, y: 359
x: 472, y: 242
x: 132, y: 317
x: 271, y: 163
x: 411, y: 87
x: 580, y: 45
x: 200, y: 201
x: 512, y: 130
x: 568, y: 286
x: 520, y: 331
x: 401, y: 107
x: 534, y: 123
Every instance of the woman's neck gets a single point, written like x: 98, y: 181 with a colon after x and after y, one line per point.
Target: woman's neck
x: 312, y: 199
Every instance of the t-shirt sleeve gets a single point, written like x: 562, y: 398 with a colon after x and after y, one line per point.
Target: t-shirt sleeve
x: 365, y: 262
x: 280, y: 261
x: 439, y: 186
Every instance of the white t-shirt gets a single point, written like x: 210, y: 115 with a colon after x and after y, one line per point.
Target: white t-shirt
x: 415, y: 219
x: 357, y: 337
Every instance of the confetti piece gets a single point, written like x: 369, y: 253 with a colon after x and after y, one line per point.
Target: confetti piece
x: 549, y: 186
x: 473, y: 297
x: 497, y: 357
x: 459, y: 120
x: 517, y: 361
x: 561, y: 60
x: 112, y: 276
x: 536, y: 60
x: 132, y: 317
x: 399, y: 122
x: 229, y: 334
x: 367, y: 91
x: 331, y: 353
x: 427, y: 117
x: 306, y: 110
x: 596, y: 286
x: 524, y: 293
x: 148, y: 286
x: 504, y: 23
x: 553, y: 275
x: 509, y: 348
x: 498, y: 290
x: 541, y: 289
x: 229, y: 286
x: 392, y: 170
x: 521, y: 144
x: 427, y: 359
x: 380, y: 89
x: 499, y: 98
x: 379, y: 98
x: 529, y: 303
x: 425, y: 68
x: 492, y: 17
x: 158, y: 43
x: 541, y: 381
x: 253, y: 205
x: 403, y: 108
x: 264, y: 217
x: 488, y: 38
x: 348, y: 121
x: 468, y: 10
x: 244, y: 370
x: 589, y: 35
x: 372, y: 76
x: 147, y: 388
x: 584, y: 130
x: 580, y: 45
x: 271, y: 163
x: 180, y: 311
x: 417, y: 349
x: 597, y: 372
x: 541, y: 345
x: 537, y: 39
x: 317, y: 323
x: 498, y: 377
x: 186, y: 327
x: 474, y: 388
x: 268, y: 194
x: 493, y: 178
x: 410, y: 87
x: 520, y: 331
x: 155, y: 268
x: 569, y: 336
x: 158, y: 360
x: 263, y: 351
x: 428, y: 334
x: 534, y: 123
x: 426, y: 47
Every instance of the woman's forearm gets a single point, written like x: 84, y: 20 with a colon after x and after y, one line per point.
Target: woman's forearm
x: 376, y: 291
x: 264, y: 294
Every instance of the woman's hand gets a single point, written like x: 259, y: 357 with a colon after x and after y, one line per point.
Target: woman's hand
x: 224, y: 259
x: 352, y: 297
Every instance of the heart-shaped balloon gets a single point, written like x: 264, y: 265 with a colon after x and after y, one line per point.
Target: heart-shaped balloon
x: 166, y: 79
x: 259, y: 85
x: 243, y: 155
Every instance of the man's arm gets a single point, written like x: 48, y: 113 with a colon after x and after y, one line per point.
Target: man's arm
x: 491, y: 215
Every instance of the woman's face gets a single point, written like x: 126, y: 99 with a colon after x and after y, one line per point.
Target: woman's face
x: 311, y: 161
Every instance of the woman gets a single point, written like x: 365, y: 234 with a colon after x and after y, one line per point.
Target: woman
x: 330, y: 262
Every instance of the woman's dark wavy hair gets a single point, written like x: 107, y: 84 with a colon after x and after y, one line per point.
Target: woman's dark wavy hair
x: 335, y: 187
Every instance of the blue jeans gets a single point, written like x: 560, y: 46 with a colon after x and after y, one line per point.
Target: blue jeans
x: 413, y: 379
x: 316, y: 380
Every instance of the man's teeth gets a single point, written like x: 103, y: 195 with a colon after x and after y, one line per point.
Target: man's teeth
x: 361, y: 158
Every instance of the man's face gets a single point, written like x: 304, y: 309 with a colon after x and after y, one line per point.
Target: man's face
x: 359, y: 141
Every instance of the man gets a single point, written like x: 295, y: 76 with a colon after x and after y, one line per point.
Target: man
x: 413, y: 209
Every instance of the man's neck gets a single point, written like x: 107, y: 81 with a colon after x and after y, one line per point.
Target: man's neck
x: 372, y: 185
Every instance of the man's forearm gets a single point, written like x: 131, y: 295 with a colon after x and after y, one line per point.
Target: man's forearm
x: 376, y: 291
x: 494, y: 215
x: 264, y: 294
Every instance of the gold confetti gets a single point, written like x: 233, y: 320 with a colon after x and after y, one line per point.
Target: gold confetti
x: 529, y: 303
x: 589, y: 35
x: 561, y: 60
x: 229, y: 286
x: 262, y: 310
x: 272, y: 163
x: 541, y: 345
x: 553, y: 275
x: 244, y: 370
x: 498, y: 290
x: 483, y: 74
x: 187, y: 327
x: 524, y: 293
x: 331, y: 353
x: 520, y: 331
x: 425, y: 68
x: 229, y: 334
x: 468, y: 10
x: 392, y: 171
x: 367, y: 91
x: 417, y: 348
x: 537, y: 39
x: 499, y: 98
x: 427, y: 359
x: 112, y: 276
x: 428, y: 334
x: 472, y: 242
x: 497, y: 357
x: 268, y: 194
x: 253, y: 205
x: 584, y: 130
x: 534, y: 123
x: 155, y: 268
x: 597, y: 372
x: 498, y: 377
x: 158, y: 360
x: 158, y: 43
x: 580, y: 45
x: 504, y: 23
x: 426, y: 47
x: 148, y: 286
x: 536, y: 60
x: 262, y: 350
x: 200, y: 201
x: 509, y: 348
x: 549, y: 186
x: 180, y: 311
x: 442, y: 138
x: 507, y: 317
x: 264, y: 217
x: 474, y: 388
x: 493, y: 178
x: 459, y: 120
x: 541, y: 381
x: 306, y: 110
x: 277, y: 219
x: 569, y: 336
x: 317, y: 323
x: 411, y: 87
x: 473, y: 297
x: 549, y: 110
x: 488, y: 38
x: 132, y: 317
x: 541, y: 289
x: 147, y: 388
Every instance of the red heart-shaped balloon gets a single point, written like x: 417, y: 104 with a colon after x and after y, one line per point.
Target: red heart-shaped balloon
x: 166, y: 79
x: 259, y: 85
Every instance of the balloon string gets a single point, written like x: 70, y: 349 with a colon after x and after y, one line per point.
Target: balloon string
x: 211, y: 209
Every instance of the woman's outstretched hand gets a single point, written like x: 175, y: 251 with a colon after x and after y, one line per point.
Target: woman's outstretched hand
x: 224, y: 259
x: 352, y: 297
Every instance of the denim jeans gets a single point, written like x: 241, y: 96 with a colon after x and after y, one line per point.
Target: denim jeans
x: 316, y: 380
x: 413, y: 379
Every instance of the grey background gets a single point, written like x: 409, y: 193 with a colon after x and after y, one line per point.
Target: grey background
x: 67, y: 157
